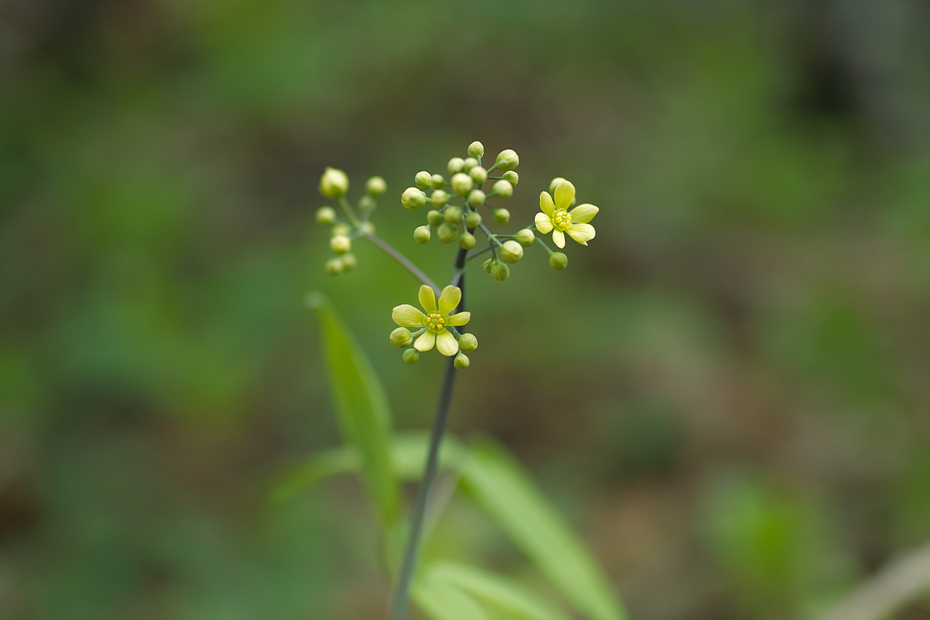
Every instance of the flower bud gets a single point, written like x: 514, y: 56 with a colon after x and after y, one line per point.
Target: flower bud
x: 473, y: 219
x: 554, y: 184
x: 368, y: 228
x: 503, y: 189
x: 421, y: 234
x: 349, y: 262
x: 501, y: 216
x: 325, y: 215
x: 476, y: 149
x: 437, y: 181
x: 456, y: 164
x: 468, y: 342
x: 365, y: 202
x: 340, y: 244
x: 469, y: 163
x: 487, y: 265
x: 476, y: 198
x: 507, y: 160
x: 557, y: 260
x: 512, y: 177
x: 401, y: 337
x: 439, y: 198
x: 461, y: 361
x: 334, y: 183
x: 500, y: 271
x: 411, y: 356
x: 376, y: 186
x: 340, y: 229
x: 479, y: 174
x: 453, y: 215
x: 525, y: 237
x: 334, y: 267
x: 511, y: 251
x: 447, y: 232
x: 467, y: 241
x: 434, y: 217
x: 462, y: 183
x: 413, y: 198
x: 423, y: 179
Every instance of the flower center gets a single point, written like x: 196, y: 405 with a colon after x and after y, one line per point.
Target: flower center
x: 562, y: 220
x: 435, y: 322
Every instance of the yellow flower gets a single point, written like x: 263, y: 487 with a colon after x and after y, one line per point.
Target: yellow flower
x: 436, y: 319
x: 558, y: 219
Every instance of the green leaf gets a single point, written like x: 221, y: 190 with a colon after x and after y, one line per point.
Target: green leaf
x: 502, y: 488
x: 504, y: 593
x: 408, y: 455
x: 362, y: 409
x: 443, y: 601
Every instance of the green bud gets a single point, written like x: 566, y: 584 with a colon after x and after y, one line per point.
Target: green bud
x: 488, y: 264
x: 453, y: 215
x: 473, y: 219
x: 557, y: 260
x: 500, y: 271
x: 366, y: 202
x: 334, y: 183
x: 376, y: 186
x: 325, y: 215
x: 512, y: 177
x: 421, y: 234
x: 349, y: 262
x: 468, y: 342
x: 413, y: 198
x: 334, y: 267
x: 476, y: 149
x: 411, y: 356
x: 423, y: 179
x: 437, y: 181
x: 469, y: 163
x: 439, y: 198
x: 462, y: 183
x: 476, y: 198
x: 507, y: 160
x: 511, y: 251
x: 456, y: 164
x: 467, y: 241
x: 503, y: 189
x: 461, y: 361
x: 401, y: 337
x: 340, y: 229
x: 501, y: 216
x: 525, y: 237
x: 368, y: 228
x: 447, y: 232
x: 554, y: 184
x: 479, y: 174
x: 434, y: 217
x: 340, y: 244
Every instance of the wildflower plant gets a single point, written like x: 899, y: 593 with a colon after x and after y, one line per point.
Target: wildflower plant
x: 462, y: 204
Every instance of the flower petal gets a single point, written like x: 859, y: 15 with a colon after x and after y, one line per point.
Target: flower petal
x: 558, y: 238
x: 545, y: 203
x: 451, y: 295
x: 582, y: 233
x: 427, y: 298
x: 582, y: 214
x: 425, y: 342
x: 459, y: 319
x: 543, y: 223
x: 564, y: 194
x: 406, y: 315
x: 446, y: 343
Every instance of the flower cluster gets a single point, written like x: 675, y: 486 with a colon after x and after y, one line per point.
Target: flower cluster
x: 334, y: 184
x: 436, y: 327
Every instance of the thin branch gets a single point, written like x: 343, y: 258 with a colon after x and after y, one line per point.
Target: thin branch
x: 403, y: 260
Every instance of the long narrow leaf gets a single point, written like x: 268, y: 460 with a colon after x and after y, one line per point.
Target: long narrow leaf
x: 362, y: 409
x: 443, y: 601
x: 502, y: 488
x: 505, y: 594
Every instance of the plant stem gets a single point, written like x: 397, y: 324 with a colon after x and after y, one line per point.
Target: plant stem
x: 403, y: 260
x: 402, y: 591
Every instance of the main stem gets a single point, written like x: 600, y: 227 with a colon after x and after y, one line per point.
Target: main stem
x: 424, y: 490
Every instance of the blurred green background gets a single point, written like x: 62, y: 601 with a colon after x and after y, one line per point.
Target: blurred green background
x: 727, y: 393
